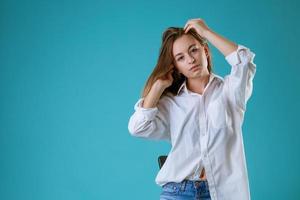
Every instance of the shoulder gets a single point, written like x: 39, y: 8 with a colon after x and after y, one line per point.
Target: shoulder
x: 218, y: 78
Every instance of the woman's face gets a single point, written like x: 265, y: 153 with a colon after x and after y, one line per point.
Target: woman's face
x: 187, y: 53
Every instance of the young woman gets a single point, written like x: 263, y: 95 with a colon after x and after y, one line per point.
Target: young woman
x: 199, y: 113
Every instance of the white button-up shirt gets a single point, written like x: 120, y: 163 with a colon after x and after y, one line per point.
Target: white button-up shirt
x: 205, y: 131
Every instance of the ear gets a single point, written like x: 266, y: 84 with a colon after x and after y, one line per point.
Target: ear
x: 206, y: 50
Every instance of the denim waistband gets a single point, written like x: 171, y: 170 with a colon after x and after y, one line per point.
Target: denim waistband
x: 195, y: 183
x: 189, y: 184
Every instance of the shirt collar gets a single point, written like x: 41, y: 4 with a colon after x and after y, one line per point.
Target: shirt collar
x: 184, y: 87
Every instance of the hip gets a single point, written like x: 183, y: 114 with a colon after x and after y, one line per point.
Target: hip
x: 187, y: 189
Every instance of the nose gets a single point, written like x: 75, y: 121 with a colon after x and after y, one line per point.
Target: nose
x: 191, y: 59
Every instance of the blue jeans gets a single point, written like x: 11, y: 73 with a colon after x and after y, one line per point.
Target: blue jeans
x: 186, y: 190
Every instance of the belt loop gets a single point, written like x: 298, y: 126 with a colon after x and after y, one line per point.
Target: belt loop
x: 183, y: 184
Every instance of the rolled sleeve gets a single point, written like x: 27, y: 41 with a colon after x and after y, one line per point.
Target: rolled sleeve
x: 147, y: 113
x: 150, y: 123
x: 241, y: 55
x: 239, y: 83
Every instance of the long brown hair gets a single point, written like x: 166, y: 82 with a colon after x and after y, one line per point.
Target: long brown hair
x: 166, y: 60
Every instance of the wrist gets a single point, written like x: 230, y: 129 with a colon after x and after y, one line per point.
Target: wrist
x: 158, y: 86
x: 206, y: 33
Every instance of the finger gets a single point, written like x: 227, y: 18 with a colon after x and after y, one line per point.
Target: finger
x: 170, y: 75
x: 188, y: 28
x: 186, y: 24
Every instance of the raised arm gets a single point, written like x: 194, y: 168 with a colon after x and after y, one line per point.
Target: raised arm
x: 151, y: 117
x: 224, y: 45
x: 238, y: 85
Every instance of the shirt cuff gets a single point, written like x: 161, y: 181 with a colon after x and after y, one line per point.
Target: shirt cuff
x: 148, y: 113
x: 240, y: 55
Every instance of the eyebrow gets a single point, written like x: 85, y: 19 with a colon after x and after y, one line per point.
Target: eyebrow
x: 188, y: 48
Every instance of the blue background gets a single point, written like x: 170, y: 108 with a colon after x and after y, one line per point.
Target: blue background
x: 71, y: 71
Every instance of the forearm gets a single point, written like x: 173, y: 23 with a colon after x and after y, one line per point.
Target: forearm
x: 224, y: 45
x: 153, y: 96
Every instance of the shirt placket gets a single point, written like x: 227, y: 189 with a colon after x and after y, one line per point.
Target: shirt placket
x: 204, y: 150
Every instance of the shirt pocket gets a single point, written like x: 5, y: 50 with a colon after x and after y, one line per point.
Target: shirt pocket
x: 217, y: 114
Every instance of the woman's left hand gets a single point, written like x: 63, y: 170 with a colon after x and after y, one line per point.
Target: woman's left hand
x: 198, y: 24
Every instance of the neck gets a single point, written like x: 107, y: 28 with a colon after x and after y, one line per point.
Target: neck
x: 197, y: 85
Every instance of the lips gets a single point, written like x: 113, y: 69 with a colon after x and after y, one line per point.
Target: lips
x: 194, y: 67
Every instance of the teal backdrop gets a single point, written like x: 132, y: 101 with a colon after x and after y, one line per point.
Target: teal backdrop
x: 71, y: 72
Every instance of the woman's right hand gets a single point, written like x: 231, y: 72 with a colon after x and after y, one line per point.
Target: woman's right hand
x: 165, y: 81
x: 157, y: 90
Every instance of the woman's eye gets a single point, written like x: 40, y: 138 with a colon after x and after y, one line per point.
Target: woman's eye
x: 194, y: 50
x: 179, y: 58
